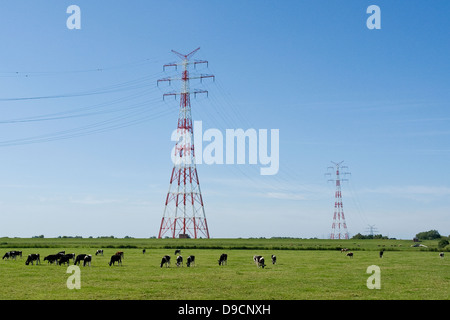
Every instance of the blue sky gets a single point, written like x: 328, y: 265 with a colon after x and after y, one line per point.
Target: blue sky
x: 377, y: 99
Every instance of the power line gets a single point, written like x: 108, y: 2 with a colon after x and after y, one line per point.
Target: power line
x: 22, y: 73
x: 123, y: 86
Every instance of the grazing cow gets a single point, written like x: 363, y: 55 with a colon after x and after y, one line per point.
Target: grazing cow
x: 120, y: 253
x: 99, y: 251
x: 33, y: 257
x: 51, y: 258
x: 71, y: 256
x: 274, y: 259
x: 60, y: 254
x: 223, y: 259
x: 79, y: 258
x: 165, y: 261
x: 65, y: 259
x: 344, y: 250
x: 14, y: 254
x: 178, y: 251
x: 115, y: 258
x: 143, y: 251
x: 381, y: 253
x: 190, y: 260
x: 441, y: 255
x: 259, y: 260
x: 350, y: 254
x: 87, y: 260
x: 179, y: 261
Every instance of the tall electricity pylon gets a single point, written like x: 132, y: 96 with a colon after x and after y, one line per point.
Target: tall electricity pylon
x: 339, y: 226
x: 184, y: 212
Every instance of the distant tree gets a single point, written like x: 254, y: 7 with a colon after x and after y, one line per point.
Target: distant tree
x: 428, y: 235
x: 442, y: 243
x: 369, y: 236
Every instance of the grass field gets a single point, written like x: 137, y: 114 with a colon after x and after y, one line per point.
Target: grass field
x: 305, y: 269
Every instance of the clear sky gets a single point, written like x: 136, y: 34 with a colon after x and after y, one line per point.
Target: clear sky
x: 89, y: 155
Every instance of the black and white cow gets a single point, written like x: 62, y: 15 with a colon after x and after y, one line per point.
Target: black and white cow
x: 79, y: 258
x: 51, y: 258
x: 223, y: 259
x: 256, y: 259
x: 165, y: 261
x: 350, y: 254
x: 441, y: 255
x: 274, y: 259
x: 115, y: 258
x: 179, y: 261
x: 190, y: 260
x: 64, y: 259
x: 87, y: 260
x: 14, y: 254
x: 381, y: 253
x: 99, y: 251
x: 71, y: 256
x: 259, y: 260
x: 33, y: 257
x: 177, y: 251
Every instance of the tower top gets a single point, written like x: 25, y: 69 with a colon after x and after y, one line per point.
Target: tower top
x: 186, y: 56
x: 184, y: 60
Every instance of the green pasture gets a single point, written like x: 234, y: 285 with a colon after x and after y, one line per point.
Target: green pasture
x: 305, y: 269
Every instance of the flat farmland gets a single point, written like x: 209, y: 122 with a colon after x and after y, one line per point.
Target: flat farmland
x: 305, y: 270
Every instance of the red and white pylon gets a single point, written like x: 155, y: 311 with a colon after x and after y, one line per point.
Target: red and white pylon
x: 339, y: 226
x: 184, y: 212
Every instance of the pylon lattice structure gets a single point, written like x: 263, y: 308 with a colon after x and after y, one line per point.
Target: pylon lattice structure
x: 184, y: 212
x: 339, y: 226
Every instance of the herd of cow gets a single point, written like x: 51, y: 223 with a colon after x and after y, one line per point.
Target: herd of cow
x: 350, y: 254
x: 62, y: 257
x: 223, y: 260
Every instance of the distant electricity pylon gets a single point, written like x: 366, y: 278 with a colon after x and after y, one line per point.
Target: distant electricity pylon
x: 184, y: 213
x: 339, y: 226
x: 371, y: 230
